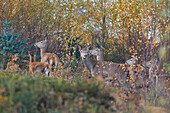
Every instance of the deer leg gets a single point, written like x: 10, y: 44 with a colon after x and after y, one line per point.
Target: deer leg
x: 34, y: 75
x: 46, y: 71
x: 85, y: 69
x: 92, y: 73
x: 55, y: 66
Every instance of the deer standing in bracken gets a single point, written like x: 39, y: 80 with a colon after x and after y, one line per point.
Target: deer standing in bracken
x: 99, y: 53
x: 51, y: 58
x: 102, y: 67
x: 41, y: 67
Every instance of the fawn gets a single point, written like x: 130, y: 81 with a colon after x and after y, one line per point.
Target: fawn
x: 41, y: 67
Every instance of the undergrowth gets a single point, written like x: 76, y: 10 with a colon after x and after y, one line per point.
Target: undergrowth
x: 21, y: 93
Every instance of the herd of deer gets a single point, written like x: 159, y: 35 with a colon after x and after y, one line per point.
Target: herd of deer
x: 50, y: 61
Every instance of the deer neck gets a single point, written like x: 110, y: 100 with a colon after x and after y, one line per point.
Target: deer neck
x: 101, y: 56
x: 90, y: 64
x: 42, y: 52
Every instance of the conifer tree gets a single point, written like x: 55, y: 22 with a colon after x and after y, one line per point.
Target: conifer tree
x: 9, y: 43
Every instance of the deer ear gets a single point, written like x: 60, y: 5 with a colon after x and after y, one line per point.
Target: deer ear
x: 79, y: 47
x: 35, y: 45
x: 88, y: 47
x: 101, y: 47
x: 46, y: 38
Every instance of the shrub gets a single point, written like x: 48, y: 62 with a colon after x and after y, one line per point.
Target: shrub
x: 22, y: 93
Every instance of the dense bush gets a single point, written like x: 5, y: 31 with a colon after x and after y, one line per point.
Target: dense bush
x: 24, y: 94
x: 21, y: 93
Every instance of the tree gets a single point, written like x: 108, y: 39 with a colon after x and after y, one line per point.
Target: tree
x: 9, y: 45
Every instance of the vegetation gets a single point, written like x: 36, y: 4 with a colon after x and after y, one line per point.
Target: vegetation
x: 22, y: 93
x: 25, y: 94
x: 125, y: 28
x: 9, y: 45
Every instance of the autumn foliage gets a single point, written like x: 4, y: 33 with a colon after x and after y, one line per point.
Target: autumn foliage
x: 126, y: 29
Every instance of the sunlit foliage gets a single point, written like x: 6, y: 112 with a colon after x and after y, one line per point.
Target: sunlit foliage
x: 126, y: 29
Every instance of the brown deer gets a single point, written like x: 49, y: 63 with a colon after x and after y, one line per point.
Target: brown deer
x: 41, y: 67
x: 99, y: 53
x: 50, y: 58
x: 103, y: 68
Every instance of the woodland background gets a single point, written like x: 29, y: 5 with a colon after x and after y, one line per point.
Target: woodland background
x: 125, y: 28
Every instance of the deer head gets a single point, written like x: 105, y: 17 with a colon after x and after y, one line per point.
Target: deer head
x: 131, y: 61
x: 97, y: 51
x: 42, y: 44
x: 84, y: 51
